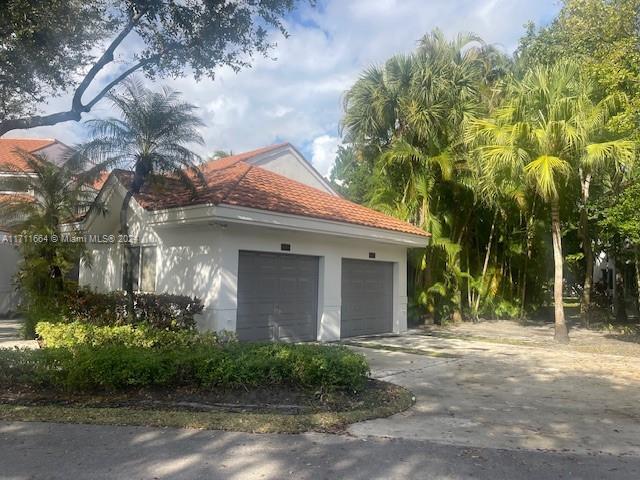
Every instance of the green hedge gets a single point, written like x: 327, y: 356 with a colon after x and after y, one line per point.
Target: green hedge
x: 78, y: 334
x: 163, y: 311
x: 118, y: 367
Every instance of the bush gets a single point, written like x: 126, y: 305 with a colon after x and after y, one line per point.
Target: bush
x: 118, y: 367
x: 77, y: 334
x: 162, y: 311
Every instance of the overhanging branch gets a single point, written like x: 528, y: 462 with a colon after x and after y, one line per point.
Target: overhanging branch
x: 77, y: 107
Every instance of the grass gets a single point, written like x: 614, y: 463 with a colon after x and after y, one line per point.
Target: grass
x: 397, y: 399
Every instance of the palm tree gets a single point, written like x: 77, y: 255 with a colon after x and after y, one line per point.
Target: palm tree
x: 46, y: 197
x: 610, y: 153
x: 407, y: 117
x: 540, y: 134
x: 151, y: 137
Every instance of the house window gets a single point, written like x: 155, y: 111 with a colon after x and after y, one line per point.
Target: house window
x: 139, y: 269
x: 13, y: 184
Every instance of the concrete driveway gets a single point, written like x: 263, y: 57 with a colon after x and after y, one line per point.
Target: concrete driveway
x: 482, y: 394
x: 10, y: 335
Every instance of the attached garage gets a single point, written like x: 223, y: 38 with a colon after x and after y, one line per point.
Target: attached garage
x: 277, y: 297
x: 367, y: 298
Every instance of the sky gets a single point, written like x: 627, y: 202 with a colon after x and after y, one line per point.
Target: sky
x: 296, y: 94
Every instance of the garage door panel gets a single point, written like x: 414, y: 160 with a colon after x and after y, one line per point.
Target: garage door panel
x: 367, y: 297
x: 277, y: 296
x: 255, y: 333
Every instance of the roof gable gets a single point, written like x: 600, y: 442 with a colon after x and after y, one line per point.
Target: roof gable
x: 9, y: 147
x: 283, y: 159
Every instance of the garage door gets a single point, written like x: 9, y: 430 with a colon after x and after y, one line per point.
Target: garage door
x: 367, y: 297
x: 277, y: 297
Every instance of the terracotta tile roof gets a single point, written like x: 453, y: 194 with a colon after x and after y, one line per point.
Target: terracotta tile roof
x: 100, y: 181
x: 8, y: 147
x: 244, y: 185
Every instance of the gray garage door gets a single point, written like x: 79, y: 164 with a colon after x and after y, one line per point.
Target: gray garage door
x: 367, y: 297
x: 277, y: 297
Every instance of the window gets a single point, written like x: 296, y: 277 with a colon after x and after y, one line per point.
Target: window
x: 13, y: 184
x: 139, y: 269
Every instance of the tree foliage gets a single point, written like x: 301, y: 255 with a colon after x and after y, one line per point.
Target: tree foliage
x: 491, y: 155
x: 50, y: 47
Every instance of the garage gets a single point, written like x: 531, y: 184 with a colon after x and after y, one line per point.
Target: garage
x: 277, y: 297
x: 367, y: 297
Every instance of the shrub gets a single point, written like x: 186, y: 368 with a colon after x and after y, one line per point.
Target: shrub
x: 118, y: 367
x: 162, y: 311
x: 77, y: 334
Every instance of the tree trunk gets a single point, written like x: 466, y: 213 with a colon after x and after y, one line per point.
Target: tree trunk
x: 587, y: 248
x: 529, y: 229
x: 487, y: 255
x: 619, y: 301
x: 141, y: 172
x: 561, y: 333
x: 637, y: 265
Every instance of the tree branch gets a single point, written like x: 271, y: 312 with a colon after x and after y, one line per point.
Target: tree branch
x: 105, y: 59
x: 117, y: 80
x: 77, y: 108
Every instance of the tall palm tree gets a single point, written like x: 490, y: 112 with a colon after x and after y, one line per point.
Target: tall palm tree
x: 151, y: 136
x: 608, y: 154
x: 407, y: 116
x: 541, y: 134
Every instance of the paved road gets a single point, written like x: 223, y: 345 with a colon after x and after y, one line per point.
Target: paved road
x: 39, y: 451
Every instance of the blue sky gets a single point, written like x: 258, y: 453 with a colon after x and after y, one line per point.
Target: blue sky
x: 298, y: 96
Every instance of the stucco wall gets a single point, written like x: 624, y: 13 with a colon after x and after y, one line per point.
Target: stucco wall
x: 202, y: 260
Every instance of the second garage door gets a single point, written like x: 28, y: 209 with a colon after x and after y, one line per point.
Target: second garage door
x: 277, y: 297
x: 367, y: 298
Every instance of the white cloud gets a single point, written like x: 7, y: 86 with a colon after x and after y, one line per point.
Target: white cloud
x: 298, y: 97
x: 324, y: 150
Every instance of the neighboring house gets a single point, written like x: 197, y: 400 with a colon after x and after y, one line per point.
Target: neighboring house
x: 13, y: 165
x: 268, y: 246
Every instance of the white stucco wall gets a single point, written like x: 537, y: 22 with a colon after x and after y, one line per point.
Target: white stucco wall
x: 202, y: 260
x: 9, y: 258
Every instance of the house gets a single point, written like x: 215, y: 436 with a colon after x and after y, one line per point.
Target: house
x: 12, y: 165
x: 268, y: 246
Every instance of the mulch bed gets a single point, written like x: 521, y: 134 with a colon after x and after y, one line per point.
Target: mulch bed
x: 277, y: 399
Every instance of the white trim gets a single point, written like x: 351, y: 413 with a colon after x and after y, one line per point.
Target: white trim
x: 252, y: 216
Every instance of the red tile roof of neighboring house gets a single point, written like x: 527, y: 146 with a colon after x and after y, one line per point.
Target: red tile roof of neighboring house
x: 233, y: 159
x: 100, y: 181
x: 237, y: 183
x: 8, y: 147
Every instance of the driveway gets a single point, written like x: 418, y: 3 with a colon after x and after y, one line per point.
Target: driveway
x: 483, y: 394
x: 10, y: 335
